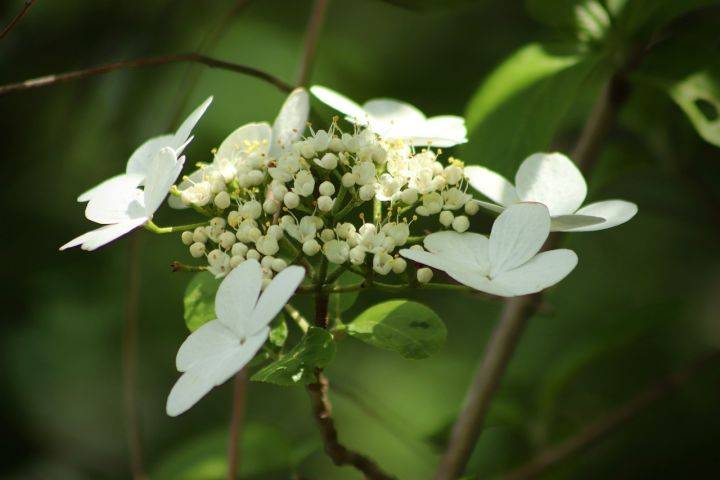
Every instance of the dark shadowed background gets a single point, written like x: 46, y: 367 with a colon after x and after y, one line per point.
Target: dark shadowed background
x: 644, y: 300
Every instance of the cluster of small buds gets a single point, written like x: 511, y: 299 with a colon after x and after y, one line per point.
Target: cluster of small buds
x: 304, y: 198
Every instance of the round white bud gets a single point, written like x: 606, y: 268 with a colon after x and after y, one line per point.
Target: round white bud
x: 275, y: 231
x: 227, y: 240
x: 461, y: 224
x: 252, y: 254
x: 270, y: 206
x: 197, y: 249
x: 291, y: 200
x: 255, y: 177
x: 409, y: 196
x: 399, y: 265
x: 311, y: 247
x: 234, y: 218
x: 267, y: 245
x: 336, y: 251
x: 199, y: 235
x: 326, y: 235
x: 348, y: 180
x: 328, y: 161
x: 222, y: 200
x: 307, y: 149
x: 366, y: 192
x: 236, y: 260
x: 357, y: 255
x: 267, y: 261
x: 325, y: 203
x: 326, y: 188
x: 252, y: 209
x: 239, y: 249
x: 217, y: 223
x: 187, y: 238
x: 471, y: 207
x: 424, y: 275
x: 321, y: 140
x: 446, y: 218
x: 278, y: 265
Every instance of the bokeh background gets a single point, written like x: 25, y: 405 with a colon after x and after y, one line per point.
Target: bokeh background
x: 644, y: 300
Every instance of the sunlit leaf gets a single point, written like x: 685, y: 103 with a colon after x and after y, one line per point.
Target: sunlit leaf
x: 279, y: 333
x: 297, y: 367
x: 409, y: 328
x: 339, y: 302
x: 199, y: 300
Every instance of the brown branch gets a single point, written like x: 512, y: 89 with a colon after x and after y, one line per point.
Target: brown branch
x: 238, y: 413
x: 518, y: 310
x: 10, y: 26
x: 145, y: 62
x: 315, y: 22
x: 322, y: 413
x: 611, y: 421
x: 129, y: 359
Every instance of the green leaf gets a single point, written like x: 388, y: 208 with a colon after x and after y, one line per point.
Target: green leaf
x: 199, y: 300
x: 264, y: 451
x: 588, y: 19
x: 279, y: 333
x: 297, y: 367
x: 409, y: 328
x: 518, y: 109
x: 339, y: 302
x: 646, y: 16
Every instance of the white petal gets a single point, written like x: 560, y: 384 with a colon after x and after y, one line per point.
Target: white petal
x: 430, y: 259
x: 109, y: 185
x: 140, y: 159
x: 567, y: 223
x: 216, y: 370
x: 490, y: 206
x: 467, y: 250
x: 237, y: 295
x: 542, y: 271
x: 394, y: 111
x: 211, y: 339
x: 185, y: 129
x: 103, y: 235
x: 493, y: 185
x: 116, y: 203
x: 275, y: 296
x: 164, y: 170
x: 235, y: 145
x: 340, y: 103
x: 517, y: 235
x: 615, y: 212
x: 552, y: 179
x: 291, y: 121
x: 442, y: 131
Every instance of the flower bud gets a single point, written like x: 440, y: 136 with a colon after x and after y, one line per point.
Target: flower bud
x: 453, y: 174
x: 446, y: 218
x: 409, y: 196
x: 266, y: 262
x: 187, y: 238
x: 291, y: 200
x: 328, y: 161
x: 357, y: 255
x: 236, y: 260
x: 227, y: 240
x: 197, y: 249
x: 252, y: 254
x: 275, y: 231
x: 461, y: 224
x: 267, y: 245
x: 348, y: 180
x: 252, y: 209
x: 239, y: 249
x: 326, y: 188
x: 278, y: 265
x: 199, y: 235
x: 399, y: 265
x: 304, y: 183
x: 344, y: 230
x: 311, y: 247
x: 336, y: 251
x: 255, y: 177
x: 471, y: 207
x: 307, y: 149
x: 325, y: 203
x: 424, y: 275
x: 366, y: 192
x: 382, y: 263
x: 222, y: 200
x: 234, y: 218
x: 270, y: 206
x: 326, y: 235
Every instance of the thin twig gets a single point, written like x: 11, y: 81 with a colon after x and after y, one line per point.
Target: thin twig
x: 10, y: 26
x: 312, y: 34
x: 611, y: 421
x: 238, y: 414
x: 146, y: 62
x: 129, y: 358
x: 518, y: 310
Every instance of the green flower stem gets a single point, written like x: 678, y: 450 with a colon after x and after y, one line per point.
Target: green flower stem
x: 351, y: 205
x: 181, y: 267
x: 377, y: 211
x: 150, y: 225
x: 336, y: 274
x: 415, y: 240
x: 297, y: 317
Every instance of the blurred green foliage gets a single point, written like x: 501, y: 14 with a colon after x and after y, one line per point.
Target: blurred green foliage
x: 642, y: 302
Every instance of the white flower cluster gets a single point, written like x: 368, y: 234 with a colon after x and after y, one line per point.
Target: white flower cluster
x: 307, y: 193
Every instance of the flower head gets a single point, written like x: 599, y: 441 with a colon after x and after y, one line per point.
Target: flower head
x: 220, y: 348
x: 553, y: 180
x: 506, y: 264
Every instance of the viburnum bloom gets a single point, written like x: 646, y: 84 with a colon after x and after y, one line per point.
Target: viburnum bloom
x: 553, y: 180
x: 394, y: 119
x: 220, y: 348
x: 506, y: 264
x: 122, y: 207
x: 139, y: 162
x: 247, y: 152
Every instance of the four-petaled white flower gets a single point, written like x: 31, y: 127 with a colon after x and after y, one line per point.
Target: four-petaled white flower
x: 394, y: 119
x: 122, y: 207
x: 247, y: 150
x: 508, y: 263
x: 220, y: 348
x: 139, y: 162
x: 553, y: 180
